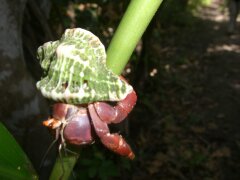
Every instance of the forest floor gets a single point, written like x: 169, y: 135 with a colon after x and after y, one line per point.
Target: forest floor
x: 186, y: 123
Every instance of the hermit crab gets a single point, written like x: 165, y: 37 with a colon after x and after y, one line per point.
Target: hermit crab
x: 87, y: 94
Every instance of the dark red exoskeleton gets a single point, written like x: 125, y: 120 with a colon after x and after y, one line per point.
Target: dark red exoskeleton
x: 73, y: 123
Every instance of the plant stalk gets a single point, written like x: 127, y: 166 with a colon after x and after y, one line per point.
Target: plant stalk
x: 134, y: 22
x: 63, y: 167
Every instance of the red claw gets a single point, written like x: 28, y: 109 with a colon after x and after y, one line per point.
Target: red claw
x: 116, y: 114
x: 78, y: 129
x: 114, y: 142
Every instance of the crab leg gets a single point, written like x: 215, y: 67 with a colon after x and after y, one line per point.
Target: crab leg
x: 116, y: 114
x: 114, y: 142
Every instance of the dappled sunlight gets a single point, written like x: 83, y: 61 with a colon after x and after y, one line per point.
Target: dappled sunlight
x: 236, y: 85
x: 224, y: 47
x: 153, y: 72
x: 214, y: 12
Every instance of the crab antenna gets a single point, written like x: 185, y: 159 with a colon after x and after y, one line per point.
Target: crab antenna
x: 49, y: 148
x: 46, y: 153
x: 61, y: 159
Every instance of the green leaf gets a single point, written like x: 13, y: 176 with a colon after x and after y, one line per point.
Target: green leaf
x: 14, y: 164
x: 63, y: 167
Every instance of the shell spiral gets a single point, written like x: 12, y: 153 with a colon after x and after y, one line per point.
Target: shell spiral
x: 75, y: 70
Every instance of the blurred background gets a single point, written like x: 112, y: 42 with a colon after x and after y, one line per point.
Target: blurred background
x: 185, y: 70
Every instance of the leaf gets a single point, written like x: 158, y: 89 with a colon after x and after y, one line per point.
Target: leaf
x: 14, y: 163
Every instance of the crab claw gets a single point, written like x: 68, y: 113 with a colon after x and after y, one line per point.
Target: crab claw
x: 116, y: 114
x: 114, y: 142
x: 78, y: 129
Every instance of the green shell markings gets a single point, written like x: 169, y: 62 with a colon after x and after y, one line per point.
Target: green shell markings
x: 75, y: 70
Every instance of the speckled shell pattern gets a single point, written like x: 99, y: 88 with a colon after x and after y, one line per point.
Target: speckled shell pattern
x: 75, y: 70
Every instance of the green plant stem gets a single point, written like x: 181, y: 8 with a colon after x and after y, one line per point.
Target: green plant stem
x: 130, y: 30
x: 135, y: 21
x: 63, y: 167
